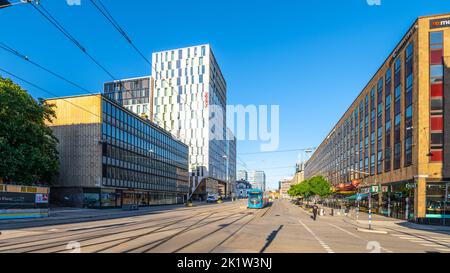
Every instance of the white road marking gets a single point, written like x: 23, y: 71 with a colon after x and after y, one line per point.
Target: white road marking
x: 427, y: 241
x: 357, y: 236
x: 346, y: 231
x: 322, y: 243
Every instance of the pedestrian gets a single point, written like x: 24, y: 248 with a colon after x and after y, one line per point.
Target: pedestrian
x: 315, y: 211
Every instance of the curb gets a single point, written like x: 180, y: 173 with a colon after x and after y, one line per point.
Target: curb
x: 371, y: 231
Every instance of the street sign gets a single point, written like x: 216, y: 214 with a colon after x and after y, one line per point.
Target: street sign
x: 358, y: 197
x: 375, y: 189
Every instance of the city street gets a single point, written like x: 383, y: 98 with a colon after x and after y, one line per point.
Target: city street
x: 220, y: 228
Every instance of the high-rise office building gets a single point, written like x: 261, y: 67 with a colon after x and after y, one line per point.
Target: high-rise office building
x: 190, y: 101
x: 393, y: 141
x: 257, y: 179
x: 231, y: 161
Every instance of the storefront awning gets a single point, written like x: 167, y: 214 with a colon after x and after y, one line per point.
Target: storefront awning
x: 355, y: 197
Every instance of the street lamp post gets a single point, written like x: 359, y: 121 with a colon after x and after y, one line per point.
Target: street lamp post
x: 225, y: 157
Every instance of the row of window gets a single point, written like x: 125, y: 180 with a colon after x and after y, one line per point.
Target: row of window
x: 355, y: 149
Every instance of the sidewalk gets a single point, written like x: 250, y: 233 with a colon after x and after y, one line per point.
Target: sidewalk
x: 74, y: 215
x: 379, y: 222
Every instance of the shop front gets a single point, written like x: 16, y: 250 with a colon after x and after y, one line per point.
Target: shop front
x: 395, y: 200
x: 438, y: 202
x: 115, y: 198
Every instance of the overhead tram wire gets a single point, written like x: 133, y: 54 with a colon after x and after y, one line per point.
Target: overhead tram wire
x: 103, y: 10
x: 46, y: 91
x: 44, y: 12
x: 280, y: 151
x: 121, y: 31
x: 26, y: 58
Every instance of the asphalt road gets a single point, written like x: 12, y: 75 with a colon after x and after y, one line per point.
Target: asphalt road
x: 221, y: 228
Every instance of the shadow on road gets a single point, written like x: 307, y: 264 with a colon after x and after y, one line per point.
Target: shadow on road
x: 270, y: 239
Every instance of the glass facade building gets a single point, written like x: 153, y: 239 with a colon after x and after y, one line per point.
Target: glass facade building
x: 134, y: 94
x: 123, y: 159
x: 394, y: 134
x: 190, y: 101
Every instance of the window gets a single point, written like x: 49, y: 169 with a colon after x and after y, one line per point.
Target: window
x: 436, y: 96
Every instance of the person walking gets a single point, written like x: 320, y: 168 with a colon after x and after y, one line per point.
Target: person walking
x: 315, y: 211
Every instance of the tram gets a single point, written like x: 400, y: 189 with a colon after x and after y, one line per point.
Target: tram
x: 257, y: 199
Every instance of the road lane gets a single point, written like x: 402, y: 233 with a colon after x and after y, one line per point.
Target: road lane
x: 221, y: 228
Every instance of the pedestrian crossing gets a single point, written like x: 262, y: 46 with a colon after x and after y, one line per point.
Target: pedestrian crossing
x: 439, y: 243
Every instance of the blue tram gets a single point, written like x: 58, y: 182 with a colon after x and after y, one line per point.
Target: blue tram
x: 257, y: 199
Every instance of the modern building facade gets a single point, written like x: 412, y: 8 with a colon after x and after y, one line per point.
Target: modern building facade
x: 112, y: 157
x: 134, y: 94
x: 396, y: 134
x: 257, y: 179
x: 190, y: 101
x: 231, y: 162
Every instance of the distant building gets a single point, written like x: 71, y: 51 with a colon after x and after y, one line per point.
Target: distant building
x: 242, y: 175
x: 242, y: 187
x: 231, y: 162
x: 257, y: 179
x: 285, y: 185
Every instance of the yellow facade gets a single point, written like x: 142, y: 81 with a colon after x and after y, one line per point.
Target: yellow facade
x: 77, y: 110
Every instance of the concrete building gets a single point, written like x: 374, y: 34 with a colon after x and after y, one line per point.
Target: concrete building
x: 395, y: 138
x: 257, y: 179
x: 285, y: 185
x: 190, y: 101
x: 299, y: 176
x: 111, y: 157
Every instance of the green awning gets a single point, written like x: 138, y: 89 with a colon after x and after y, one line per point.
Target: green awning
x: 355, y: 197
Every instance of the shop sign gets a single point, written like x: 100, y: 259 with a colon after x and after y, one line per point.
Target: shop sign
x: 365, y: 190
x: 375, y: 189
x: 358, y: 197
x: 385, y: 189
x: 438, y: 23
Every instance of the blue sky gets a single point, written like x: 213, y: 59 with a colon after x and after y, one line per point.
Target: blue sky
x: 310, y: 57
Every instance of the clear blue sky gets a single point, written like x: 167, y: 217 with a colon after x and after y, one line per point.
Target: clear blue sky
x: 310, y: 57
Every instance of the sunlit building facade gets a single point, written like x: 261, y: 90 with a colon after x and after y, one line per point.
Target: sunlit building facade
x: 112, y: 157
x: 394, y: 139
x: 190, y: 101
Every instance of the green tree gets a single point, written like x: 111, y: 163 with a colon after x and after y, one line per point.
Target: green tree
x: 302, y: 190
x: 320, y: 186
x: 27, y: 146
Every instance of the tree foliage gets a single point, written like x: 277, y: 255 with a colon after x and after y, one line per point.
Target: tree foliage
x: 28, y: 152
x: 316, y: 186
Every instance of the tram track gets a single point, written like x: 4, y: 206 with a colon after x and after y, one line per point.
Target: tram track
x: 26, y: 244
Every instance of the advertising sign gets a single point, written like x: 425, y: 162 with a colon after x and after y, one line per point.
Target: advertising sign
x: 41, y: 198
x: 438, y: 23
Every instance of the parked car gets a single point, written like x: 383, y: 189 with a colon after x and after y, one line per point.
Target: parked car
x: 212, y: 198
